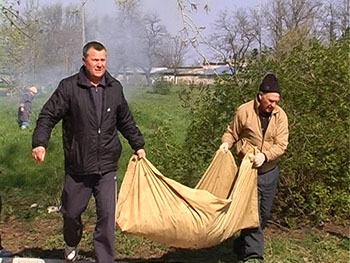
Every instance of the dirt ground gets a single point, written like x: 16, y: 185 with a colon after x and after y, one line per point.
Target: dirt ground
x: 29, y: 239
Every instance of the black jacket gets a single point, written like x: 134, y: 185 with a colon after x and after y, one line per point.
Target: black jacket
x: 89, y: 147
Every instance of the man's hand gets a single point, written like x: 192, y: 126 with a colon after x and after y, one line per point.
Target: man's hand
x: 224, y: 146
x: 251, y: 157
x: 38, y: 154
x: 141, y: 153
x: 259, y: 159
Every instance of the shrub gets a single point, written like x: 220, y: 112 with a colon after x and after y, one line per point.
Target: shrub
x: 161, y: 86
x: 315, y: 170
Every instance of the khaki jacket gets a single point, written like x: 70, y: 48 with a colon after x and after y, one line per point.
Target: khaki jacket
x: 244, y: 131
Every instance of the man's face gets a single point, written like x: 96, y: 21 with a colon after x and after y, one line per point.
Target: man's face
x: 95, y: 63
x: 268, y: 101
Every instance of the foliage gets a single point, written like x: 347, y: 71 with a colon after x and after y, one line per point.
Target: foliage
x: 161, y: 86
x: 316, y: 168
x: 34, y: 39
x: 10, y: 54
x: 315, y: 95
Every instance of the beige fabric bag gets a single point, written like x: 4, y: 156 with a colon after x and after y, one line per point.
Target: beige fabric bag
x: 161, y: 209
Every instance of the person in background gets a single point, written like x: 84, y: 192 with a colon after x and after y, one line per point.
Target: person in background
x: 262, y: 125
x: 25, y: 107
x: 93, y: 109
x: 3, y: 252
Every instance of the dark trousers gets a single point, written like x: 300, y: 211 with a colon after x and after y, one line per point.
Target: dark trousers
x: 76, y: 194
x: 250, y: 243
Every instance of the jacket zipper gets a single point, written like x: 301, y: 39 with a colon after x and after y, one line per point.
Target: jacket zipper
x: 99, y: 132
x: 261, y: 132
x: 98, y: 136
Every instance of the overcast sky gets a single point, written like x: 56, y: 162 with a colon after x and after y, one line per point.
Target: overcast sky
x: 167, y: 10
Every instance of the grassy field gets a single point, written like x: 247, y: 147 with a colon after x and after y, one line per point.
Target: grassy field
x: 29, y: 188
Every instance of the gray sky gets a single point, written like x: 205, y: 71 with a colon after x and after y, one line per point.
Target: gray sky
x: 167, y: 10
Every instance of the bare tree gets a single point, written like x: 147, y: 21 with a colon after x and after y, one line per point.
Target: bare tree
x: 290, y: 19
x: 138, y: 40
x: 174, y: 54
x: 154, y: 40
x: 125, y: 37
x: 234, y: 35
x: 191, y: 33
x: 333, y: 20
x: 344, y: 16
x: 60, y: 40
x: 21, y: 28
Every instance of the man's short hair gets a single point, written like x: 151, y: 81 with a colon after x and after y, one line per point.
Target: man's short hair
x: 92, y: 44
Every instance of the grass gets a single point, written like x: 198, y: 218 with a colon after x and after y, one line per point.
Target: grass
x: 24, y: 183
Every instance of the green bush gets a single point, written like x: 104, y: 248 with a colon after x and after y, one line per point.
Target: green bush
x: 315, y: 94
x: 161, y: 86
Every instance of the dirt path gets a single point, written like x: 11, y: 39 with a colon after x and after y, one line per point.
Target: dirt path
x: 28, y: 238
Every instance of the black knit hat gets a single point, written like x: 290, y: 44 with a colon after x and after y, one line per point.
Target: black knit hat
x: 270, y: 84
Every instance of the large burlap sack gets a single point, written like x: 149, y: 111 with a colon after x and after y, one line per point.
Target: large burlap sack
x: 161, y: 209
x: 219, y: 177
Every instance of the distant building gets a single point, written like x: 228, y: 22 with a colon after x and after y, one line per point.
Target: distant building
x: 183, y: 75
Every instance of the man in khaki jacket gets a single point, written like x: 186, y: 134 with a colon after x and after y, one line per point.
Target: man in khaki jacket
x: 262, y: 125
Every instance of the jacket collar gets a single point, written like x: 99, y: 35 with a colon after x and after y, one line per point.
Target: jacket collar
x: 83, y: 80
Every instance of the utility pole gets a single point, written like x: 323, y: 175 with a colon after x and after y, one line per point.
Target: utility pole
x: 82, y: 14
x: 260, y: 26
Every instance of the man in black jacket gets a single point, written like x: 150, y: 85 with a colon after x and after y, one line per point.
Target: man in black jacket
x: 92, y: 107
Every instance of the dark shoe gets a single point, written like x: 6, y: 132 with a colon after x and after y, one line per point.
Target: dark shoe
x: 5, y: 253
x: 70, y: 254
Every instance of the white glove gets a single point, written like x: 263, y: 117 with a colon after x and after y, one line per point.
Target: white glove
x: 224, y: 146
x: 259, y: 159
